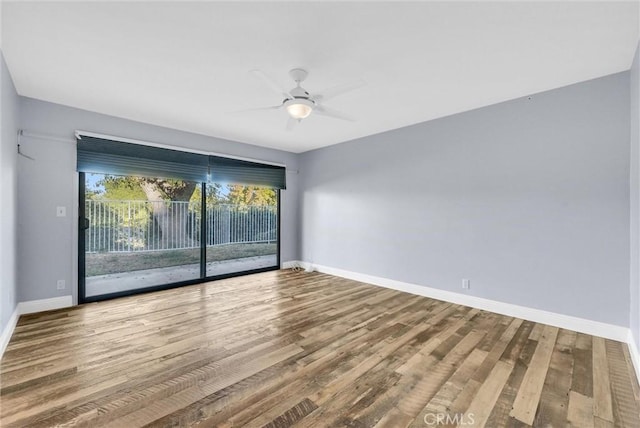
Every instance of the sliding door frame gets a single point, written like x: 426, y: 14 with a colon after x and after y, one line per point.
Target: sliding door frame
x: 82, y: 238
x: 83, y: 298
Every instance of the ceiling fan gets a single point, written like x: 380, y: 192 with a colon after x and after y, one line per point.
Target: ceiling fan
x: 299, y: 103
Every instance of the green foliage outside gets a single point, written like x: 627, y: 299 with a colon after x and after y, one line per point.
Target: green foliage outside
x: 131, y: 188
x: 159, y: 223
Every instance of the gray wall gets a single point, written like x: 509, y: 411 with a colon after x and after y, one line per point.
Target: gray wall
x: 48, y: 243
x: 529, y: 199
x: 8, y: 193
x: 635, y: 198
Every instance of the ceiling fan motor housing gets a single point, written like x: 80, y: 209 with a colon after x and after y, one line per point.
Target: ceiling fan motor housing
x: 299, y: 92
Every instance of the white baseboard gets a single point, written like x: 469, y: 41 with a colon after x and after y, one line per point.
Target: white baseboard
x: 291, y: 264
x: 30, y: 307
x: 594, y: 328
x: 635, y: 353
x: 8, y: 330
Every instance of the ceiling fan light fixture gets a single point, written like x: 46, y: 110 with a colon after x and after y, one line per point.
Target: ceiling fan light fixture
x: 299, y: 108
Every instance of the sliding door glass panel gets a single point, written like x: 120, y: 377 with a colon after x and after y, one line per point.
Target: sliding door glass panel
x: 242, y: 228
x: 142, y: 232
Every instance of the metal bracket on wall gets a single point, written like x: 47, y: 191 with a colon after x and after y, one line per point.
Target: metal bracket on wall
x: 23, y: 155
x: 19, y: 151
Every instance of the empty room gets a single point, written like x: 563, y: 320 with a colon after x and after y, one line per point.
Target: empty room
x: 320, y: 214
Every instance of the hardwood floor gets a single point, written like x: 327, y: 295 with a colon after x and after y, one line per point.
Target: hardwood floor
x: 283, y: 348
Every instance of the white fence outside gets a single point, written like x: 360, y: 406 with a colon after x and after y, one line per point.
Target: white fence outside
x: 128, y: 226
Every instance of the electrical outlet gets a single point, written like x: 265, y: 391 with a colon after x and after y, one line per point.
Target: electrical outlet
x: 61, y: 211
x: 62, y: 284
x: 466, y: 284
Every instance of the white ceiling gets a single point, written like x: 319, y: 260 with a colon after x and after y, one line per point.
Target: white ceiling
x: 185, y: 65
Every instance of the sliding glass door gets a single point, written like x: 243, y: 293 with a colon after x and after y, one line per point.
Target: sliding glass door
x: 142, y: 233
x: 154, y: 217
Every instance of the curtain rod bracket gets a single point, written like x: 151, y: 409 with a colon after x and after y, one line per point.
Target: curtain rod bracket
x: 20, y: 134
x: 23, y: 155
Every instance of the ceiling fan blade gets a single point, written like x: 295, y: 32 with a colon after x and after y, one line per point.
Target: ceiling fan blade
x: 291, y: 123
x: 329, y: 112
x: 256, y: 109
x: 338, y: 90
x: 271, y: 83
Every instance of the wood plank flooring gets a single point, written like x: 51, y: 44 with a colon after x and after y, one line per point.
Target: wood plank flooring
x: 287, y: 348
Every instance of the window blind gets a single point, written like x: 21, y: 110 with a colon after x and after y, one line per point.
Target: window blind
x: 103, y: 156
x: 235, y: 171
